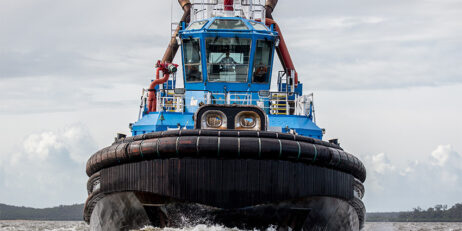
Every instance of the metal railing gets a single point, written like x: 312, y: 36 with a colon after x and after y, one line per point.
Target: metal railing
x: 171, y: 102
x: 239, y: 98
x: 215, y: 98
x: 250, y: 9
x: 280, y: 103
x: 276, y: 103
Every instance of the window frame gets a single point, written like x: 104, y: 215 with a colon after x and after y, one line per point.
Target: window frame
x: 228, y: 19
x: 248, y: 64
x: 253, y: 23
x: 185, y: 64
x: 188, y: 28
x: 269, y: 65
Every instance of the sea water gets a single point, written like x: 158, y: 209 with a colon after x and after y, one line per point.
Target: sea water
x: 20, y: 225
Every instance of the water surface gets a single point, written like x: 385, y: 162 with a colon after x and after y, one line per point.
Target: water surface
x: 20, y: 225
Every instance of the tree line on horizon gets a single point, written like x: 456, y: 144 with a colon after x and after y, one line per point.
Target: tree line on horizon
x: 438, y: 213
x: 59, y: 213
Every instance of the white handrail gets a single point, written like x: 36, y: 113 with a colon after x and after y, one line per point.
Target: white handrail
x: 250, y: 9
x: 277, y: 103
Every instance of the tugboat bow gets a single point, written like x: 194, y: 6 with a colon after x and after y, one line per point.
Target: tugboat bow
x: 226, y: 147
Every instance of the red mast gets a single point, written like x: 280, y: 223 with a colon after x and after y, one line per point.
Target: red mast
x: 229, y: 5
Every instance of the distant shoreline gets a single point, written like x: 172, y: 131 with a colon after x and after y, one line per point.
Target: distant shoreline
x: 413, y: 221
x: 438, y: 213
x: 58, y: 213
x: 74, y: 212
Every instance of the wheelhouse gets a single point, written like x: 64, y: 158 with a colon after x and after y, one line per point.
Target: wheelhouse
x: 229, y: 61
x: 227, y: 54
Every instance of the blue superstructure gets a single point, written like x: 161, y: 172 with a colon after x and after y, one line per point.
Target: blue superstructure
x: 229, y: 60
x: 233, y: 140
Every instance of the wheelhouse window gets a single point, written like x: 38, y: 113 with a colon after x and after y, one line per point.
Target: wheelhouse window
x: 262, y: 61
x: 197, y: 25
x: 192, y: 60
x: 258, y: 26
x: 227, y: 59
x: 228, y: 24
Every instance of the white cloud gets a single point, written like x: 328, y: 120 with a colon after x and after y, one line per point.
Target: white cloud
x: 89, y: 47
x: 399, y: 45
x: 79, y: 143
x: 443, y: 153
x: 49, y: 168
x: 381, y: 164
x: 377, y: 166
x: 63, y: 62
x: 435, y: 180
x: 39, y: 145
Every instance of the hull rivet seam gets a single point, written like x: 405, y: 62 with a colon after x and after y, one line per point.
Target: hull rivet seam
x: 218, y: 151
x: 157, y: 147
x: 197, y: 144
x: 259, y: 147
x: 141, y: 149
x: 176, y: 145
x: 339, y: 158
x: 117, y: 148
x: 299, y: 150
x: 239, y: 146
x: 315, y: 153
x: 280, y: 147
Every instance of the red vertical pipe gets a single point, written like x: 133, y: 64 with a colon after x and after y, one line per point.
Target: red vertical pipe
x: 229, y: 5
x: 283, y: 52
x: 269, y: 7
x: 152, y: 98
x: 172, y: 48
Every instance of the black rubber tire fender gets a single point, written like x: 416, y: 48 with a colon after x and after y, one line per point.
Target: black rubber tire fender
x: 217, y: 144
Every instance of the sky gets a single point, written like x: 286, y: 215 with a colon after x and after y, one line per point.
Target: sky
x: 386, y: 78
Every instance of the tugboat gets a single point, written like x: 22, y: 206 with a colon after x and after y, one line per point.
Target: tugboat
x: 227, y: 148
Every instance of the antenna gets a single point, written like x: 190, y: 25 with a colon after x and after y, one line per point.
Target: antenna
x: 171, y: 23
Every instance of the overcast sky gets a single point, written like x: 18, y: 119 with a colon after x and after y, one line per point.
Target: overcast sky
x: 386, y: 77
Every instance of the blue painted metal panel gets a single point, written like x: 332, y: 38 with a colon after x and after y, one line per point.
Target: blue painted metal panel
x: 299, y: 89
x: 301, y: 124
x: 204, y: 33
x: 193, y: 99
x: 196, y: 92
x: 161, y: 121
